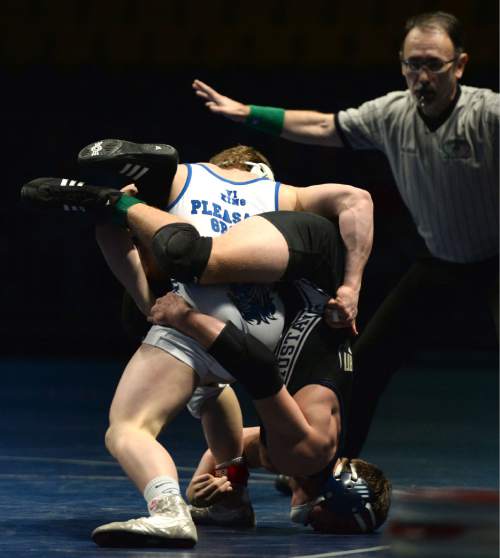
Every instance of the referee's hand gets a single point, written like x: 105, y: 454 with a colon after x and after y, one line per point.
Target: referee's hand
x: 220, y: 104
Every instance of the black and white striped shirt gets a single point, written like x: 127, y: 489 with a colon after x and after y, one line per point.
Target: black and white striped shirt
x: 448, y: 178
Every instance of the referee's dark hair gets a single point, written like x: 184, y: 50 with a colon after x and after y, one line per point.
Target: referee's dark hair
x: 447, y: 22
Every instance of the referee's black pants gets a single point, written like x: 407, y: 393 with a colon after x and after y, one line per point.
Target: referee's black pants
x: 419, y: 305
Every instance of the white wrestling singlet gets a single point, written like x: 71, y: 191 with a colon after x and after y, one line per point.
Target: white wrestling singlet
x: 213, y: 204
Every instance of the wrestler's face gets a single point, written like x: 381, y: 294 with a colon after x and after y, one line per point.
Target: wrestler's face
x: 433, y: 84
x: 324, y: 520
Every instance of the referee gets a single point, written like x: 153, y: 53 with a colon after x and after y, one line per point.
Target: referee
x: 441, y: 140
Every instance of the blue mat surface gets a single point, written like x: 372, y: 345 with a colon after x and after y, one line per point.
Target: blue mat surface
x: 437, y: 426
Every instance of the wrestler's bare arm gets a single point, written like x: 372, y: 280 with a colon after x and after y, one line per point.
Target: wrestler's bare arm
x: 204, y: 487
x: 132, y: 266
x: 124, y: 261
x: 354, y: 209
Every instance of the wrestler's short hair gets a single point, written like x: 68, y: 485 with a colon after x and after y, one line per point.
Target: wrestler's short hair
x: 236, y: 158
x: 445, y: 21
x: 379, y: 486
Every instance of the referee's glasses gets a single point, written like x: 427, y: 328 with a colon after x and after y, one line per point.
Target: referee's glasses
x: 432, y: 65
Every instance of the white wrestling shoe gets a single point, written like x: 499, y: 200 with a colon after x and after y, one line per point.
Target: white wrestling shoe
x: 170, y: 525
x: 240, y: 514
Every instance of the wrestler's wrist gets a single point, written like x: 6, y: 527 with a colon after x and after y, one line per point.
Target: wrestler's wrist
x: 205, y: 329
x: 352, y: 285
x: 185, y: 321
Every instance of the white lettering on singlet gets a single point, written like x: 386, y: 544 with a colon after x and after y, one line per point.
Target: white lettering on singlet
x: 293, y: 341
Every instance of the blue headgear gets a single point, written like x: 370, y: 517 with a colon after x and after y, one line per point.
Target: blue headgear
x: 346, y: 494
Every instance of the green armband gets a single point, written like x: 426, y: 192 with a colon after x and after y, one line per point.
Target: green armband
x: 266, y: 119
x: 121, y: 208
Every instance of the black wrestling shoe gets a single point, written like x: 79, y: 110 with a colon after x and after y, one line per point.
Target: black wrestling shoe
x: 67, y: 195
x: 151, y: 166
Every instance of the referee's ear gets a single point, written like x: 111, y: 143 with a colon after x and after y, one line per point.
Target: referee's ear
x: 460, y: 64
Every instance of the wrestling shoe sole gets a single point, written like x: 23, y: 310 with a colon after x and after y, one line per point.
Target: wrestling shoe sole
x: 131, y: 160
x: 66, y: 194
x: 124, y: 539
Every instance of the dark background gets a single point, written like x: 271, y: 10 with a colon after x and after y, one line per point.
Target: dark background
x: 76, y: 71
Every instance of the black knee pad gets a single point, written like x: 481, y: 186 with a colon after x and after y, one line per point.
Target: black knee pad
x: 248, y: 360
x: 181, y: 252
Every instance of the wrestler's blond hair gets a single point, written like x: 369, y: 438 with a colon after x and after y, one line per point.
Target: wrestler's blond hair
x: 236, y: 157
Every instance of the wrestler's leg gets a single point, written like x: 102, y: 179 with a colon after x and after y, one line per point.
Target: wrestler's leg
x: 220, y: 496
x: 144, y: 221
x: 223, y: 425
x: 154, y: 387
x: 262, y: 249
x: 259, y: 249
x: 255, y: 366
x: 251, y: 251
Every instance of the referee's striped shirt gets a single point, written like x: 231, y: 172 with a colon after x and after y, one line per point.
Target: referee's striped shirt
x: 448, y: 177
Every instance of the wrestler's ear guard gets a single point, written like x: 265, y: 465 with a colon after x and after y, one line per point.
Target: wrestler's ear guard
x: 260, y: 169
x: 347, y: 494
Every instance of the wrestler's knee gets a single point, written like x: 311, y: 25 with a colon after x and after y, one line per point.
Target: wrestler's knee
x: 121, y: 436
x: 112, y: 439
x: 181, y: 252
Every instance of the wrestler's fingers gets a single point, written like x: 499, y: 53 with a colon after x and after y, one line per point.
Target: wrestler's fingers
x: 211, y: 482
x: 213, y: 489
x: 202, y: 492
x: 349, y: 323
x: 129, y: 190
x: 202, y: 477
x: 226, y: 487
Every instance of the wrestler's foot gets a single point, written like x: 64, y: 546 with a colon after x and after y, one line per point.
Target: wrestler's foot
x: 234, y: 510
x: 170, y: 525
x: 152, y: 166
x: 218, y: 514
x: 67, y: 195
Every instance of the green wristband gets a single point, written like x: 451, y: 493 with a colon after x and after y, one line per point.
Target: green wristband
x: 266, y: 119
x: 121, y: 208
